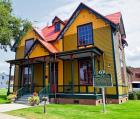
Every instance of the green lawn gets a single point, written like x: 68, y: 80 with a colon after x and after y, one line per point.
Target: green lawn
x: 3, y: 95
x: 129, y: 110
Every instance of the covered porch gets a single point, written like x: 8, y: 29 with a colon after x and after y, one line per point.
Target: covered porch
x: 30, y: 74
x: 79, y: 67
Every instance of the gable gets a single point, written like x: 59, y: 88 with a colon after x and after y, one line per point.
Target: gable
x: 37, y: 51
x: 76, y: 13
x: 21, y: 43
x: 84, y: 17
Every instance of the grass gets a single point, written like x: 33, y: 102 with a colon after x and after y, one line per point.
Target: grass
x: 129, y: 110
x: 3, y: 96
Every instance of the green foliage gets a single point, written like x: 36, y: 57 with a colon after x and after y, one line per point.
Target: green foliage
x: 3, y: 96
x: 134, y: 95
x: 138, y: 95
x: 11, y: 97
x: 34, y: 100
x: 11, y: 27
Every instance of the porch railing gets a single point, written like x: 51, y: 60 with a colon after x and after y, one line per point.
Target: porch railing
x: 43, y: 92
x: 20, y: 92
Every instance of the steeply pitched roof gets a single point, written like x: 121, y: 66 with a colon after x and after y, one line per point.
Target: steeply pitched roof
x: 48, y: 33
x: 75, y: 14
x: 115, y: 17
x: 49, y: 46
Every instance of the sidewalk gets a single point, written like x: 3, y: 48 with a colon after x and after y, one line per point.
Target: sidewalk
x: 6, y: 116
x: 10, y: 107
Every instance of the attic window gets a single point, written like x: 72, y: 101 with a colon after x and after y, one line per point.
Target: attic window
x: 28, y: 44
x: 57, y: 27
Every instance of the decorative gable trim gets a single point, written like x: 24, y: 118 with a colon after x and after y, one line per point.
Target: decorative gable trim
x: 76, y: 13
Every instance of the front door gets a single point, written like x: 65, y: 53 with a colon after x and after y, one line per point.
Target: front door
x: 27, y: 79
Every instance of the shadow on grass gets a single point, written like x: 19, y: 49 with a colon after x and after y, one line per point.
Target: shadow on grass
x: 3, y: 99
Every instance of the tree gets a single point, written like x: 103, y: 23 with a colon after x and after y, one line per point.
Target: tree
x: 11, y: 27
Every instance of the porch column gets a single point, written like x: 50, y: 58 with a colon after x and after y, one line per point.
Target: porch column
x: 49, y: 83
x: 8, y: 92
x: 29, y: 89
x: 54, y: 80
x: 44, y: 73
x: 32, y: 77
x: 93, y: 70
x: 72, y: 75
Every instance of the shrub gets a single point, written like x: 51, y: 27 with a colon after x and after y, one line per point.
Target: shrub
x: 34, y: 100
x: 11, y: 97
x: 133, y: 96
x: 138, y: 95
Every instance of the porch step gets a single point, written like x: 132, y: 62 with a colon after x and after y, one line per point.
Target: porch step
x: 23, y: 99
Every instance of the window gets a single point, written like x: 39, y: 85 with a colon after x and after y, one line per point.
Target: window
x: 57, y: 27
x: 85, y: 71
x: 136, y: 85
x: 85, y: 35
x: 137, y: 75
x: 2, y: 77
x: 27, y: 75
x: 28, y: 44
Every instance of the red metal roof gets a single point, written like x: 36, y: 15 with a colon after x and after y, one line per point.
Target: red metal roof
x: 48, y: 32
x: 115, y: 17
x: 49, y: 46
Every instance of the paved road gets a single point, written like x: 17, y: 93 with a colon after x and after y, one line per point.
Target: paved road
x: 6, y: 116
x: 10, y: 107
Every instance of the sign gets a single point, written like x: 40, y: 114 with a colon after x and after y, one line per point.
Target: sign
x: 102, y: 79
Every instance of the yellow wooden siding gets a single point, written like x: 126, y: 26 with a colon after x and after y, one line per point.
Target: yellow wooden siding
x: 16, y: 78
x: 38, y: 51
x: 70, y: 37
x: 60, y: 75
x: 38, y: 76
x: 67, y: 73
x: 58, y: 45
x: 20, y: 49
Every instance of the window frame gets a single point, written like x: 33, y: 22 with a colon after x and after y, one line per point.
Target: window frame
x: 25, y: 52
x: 85, y: 82
x: 78, y: 45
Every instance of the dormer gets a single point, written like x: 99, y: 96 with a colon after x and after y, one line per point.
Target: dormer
x: 58, y: 23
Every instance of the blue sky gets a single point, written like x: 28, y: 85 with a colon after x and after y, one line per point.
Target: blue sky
x: 43, y: 12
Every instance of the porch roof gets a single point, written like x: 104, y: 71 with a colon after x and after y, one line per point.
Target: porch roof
x: 29, y: 61
x: 80, y: 53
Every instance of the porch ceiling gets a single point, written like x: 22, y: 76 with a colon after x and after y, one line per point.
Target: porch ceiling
x: 80, y: 53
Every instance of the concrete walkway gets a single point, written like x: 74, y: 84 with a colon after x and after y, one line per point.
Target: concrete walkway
x: 6, y: 116
x: 10, y: 107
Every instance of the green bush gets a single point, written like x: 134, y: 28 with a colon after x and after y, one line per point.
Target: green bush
x: 138, y: 95
x: 34, y: 100
x: 133, y: 96
x: 11, y: 97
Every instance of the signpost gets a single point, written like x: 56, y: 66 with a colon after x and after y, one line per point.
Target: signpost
x: 103, y: 80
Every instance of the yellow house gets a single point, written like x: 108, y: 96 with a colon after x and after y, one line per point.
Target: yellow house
x: 60, y: 60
